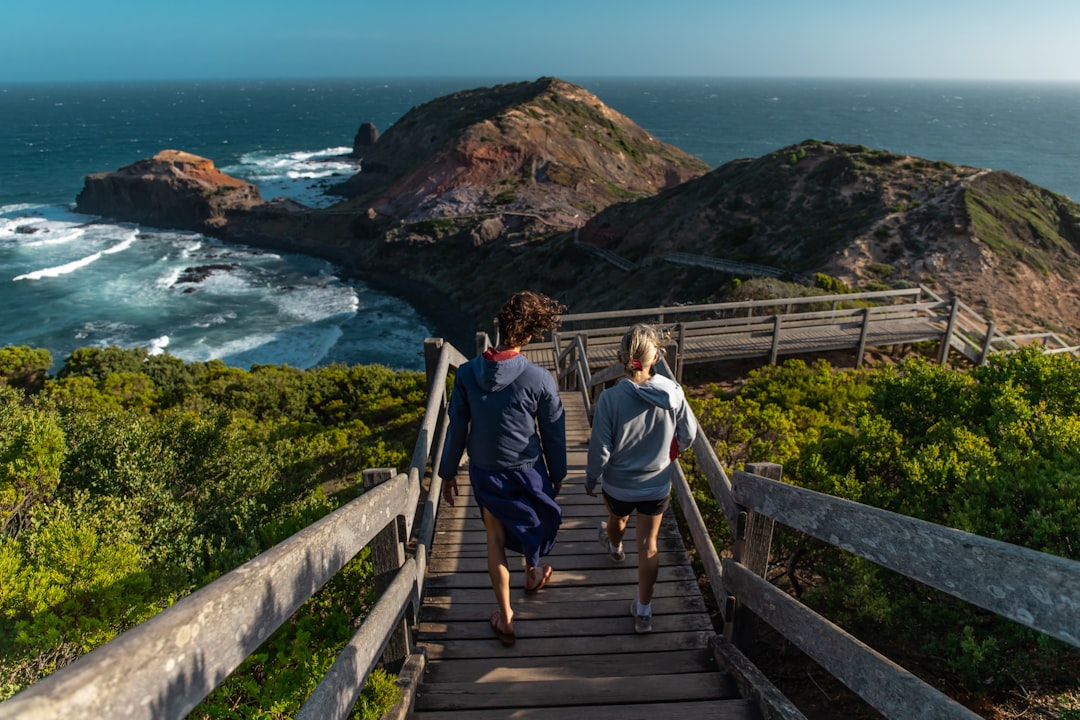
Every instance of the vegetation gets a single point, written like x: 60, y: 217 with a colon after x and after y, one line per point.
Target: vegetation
x: 1023, y: 223
x: 129, y: 480
x: 993, y: 451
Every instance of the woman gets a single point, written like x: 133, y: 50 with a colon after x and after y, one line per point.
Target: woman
x: 638, y: 427
x: 507, y: 413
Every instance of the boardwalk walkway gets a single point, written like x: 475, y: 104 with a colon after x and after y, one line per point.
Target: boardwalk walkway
x: 576, y: 653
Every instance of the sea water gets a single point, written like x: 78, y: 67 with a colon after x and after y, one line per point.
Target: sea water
x: 70, y: 280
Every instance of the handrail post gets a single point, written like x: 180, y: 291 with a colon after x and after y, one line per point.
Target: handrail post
x: 987, y: 343
x: 432, y: 348
x: 387, y: 556
x: 679, y: 349
x: 946, y: 339
x: 483, y: 342
x: 753, y: 543
x: 775, y: 340
x: 862, y: 336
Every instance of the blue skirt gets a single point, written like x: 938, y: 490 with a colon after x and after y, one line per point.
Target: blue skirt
x: 524, y: 501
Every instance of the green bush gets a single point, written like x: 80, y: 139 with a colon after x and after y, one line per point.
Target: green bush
x: 129, y: 480
x: 993, y: 451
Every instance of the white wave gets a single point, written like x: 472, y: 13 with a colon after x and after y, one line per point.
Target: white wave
x: 318, y: 303
x: 168, y: 279
x: 123, y: 244
x: 296, y: 165
x: 18, y: 208
x: 11, y: 226
x: 110, y: 332
x: 59, y: 269
x: 202, y: 352
x: 68, y: 268
x: 56, y: 239
x: 157, y: 345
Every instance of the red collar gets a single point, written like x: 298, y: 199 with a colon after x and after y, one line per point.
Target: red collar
x: 499, y: 355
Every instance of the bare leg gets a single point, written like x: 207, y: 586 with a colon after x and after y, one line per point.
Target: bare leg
x: 616, y: 528
x: 648, y: 528
x: 498, y: 570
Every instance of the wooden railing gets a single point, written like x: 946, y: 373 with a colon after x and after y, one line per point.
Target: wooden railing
x: 166, y: 666
x: 1035, y: 589
x: 768, y: 328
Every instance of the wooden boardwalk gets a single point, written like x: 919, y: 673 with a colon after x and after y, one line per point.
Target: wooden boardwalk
x: 576, y: 653
x: 761, y: 339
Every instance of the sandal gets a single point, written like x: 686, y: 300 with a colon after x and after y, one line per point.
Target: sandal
x: 506, y: 637
x: 543, y: 580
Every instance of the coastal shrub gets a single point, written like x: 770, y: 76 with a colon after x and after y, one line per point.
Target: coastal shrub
x: 129, y: 480
x: 24, y: 367
x: 994, y: 451
x: 31, y: 453
x: 831, y: 285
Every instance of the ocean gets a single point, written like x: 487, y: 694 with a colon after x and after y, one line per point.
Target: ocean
x: 70, y: 280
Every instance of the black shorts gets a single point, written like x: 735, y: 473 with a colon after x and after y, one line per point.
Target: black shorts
x: 622, y: 508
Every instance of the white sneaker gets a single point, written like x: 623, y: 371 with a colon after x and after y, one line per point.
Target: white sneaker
x: 616, y: 554
x: 642, y: 623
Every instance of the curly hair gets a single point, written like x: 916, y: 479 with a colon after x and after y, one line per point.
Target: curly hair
x: 525, y: 315
x: 639, y: 345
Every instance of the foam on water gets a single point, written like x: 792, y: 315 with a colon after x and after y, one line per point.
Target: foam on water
x: 93, y: 283
x: 301, y: 176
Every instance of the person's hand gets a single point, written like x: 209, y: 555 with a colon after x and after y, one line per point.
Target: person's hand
x: 591, y: 491
x: 449, y: 490
x: 558, y: 487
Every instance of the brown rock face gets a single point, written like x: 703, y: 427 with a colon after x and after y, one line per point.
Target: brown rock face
x: 548, y: 150
x: 173, y: 189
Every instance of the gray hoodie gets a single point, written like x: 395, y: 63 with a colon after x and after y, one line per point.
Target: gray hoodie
x: 630, y: 444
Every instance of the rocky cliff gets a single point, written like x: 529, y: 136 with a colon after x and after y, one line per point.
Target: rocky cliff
x: 172, y: 189
x: 872, y: 219
x: 547, y: 149
x: 484, y: 192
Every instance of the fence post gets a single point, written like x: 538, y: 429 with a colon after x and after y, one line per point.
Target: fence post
x: 862, y: 337
x: 987, y: 344
x: 483, y: 342
x: 432, y: 348
x: 753, y: 543
x: 775, y: 340
x: 946, y: 340
x: 387, y: 555
x: 679, y: 352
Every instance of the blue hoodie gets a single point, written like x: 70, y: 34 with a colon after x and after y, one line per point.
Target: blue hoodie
x: 508, y: 414
x: 630, y: 444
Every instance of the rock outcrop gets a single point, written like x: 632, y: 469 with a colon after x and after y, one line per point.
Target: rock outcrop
x: 173, y: 189
x: 871, y: 219
x: 365, y: 138
x: 547, y: 150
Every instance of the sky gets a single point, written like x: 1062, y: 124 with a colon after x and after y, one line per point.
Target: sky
x: 106, y: 40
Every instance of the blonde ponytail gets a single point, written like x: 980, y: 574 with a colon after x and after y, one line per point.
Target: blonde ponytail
x: 640, y: 344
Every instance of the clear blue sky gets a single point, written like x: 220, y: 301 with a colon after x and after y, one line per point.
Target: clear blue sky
x: 83, y: 40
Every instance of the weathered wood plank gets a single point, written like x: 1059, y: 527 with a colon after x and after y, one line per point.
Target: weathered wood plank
x: 708, y: 710
x: 1036, y: 589
x: 889, y: 688
x: 581, y: 691
x: 552, y: 595
x: 566, y: 562
x: 563, y: 578
x: 568, y: 667
x: 573, y: 629
x: 538, y: 647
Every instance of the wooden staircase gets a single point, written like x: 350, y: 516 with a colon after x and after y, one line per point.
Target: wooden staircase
x: 576, y: 654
